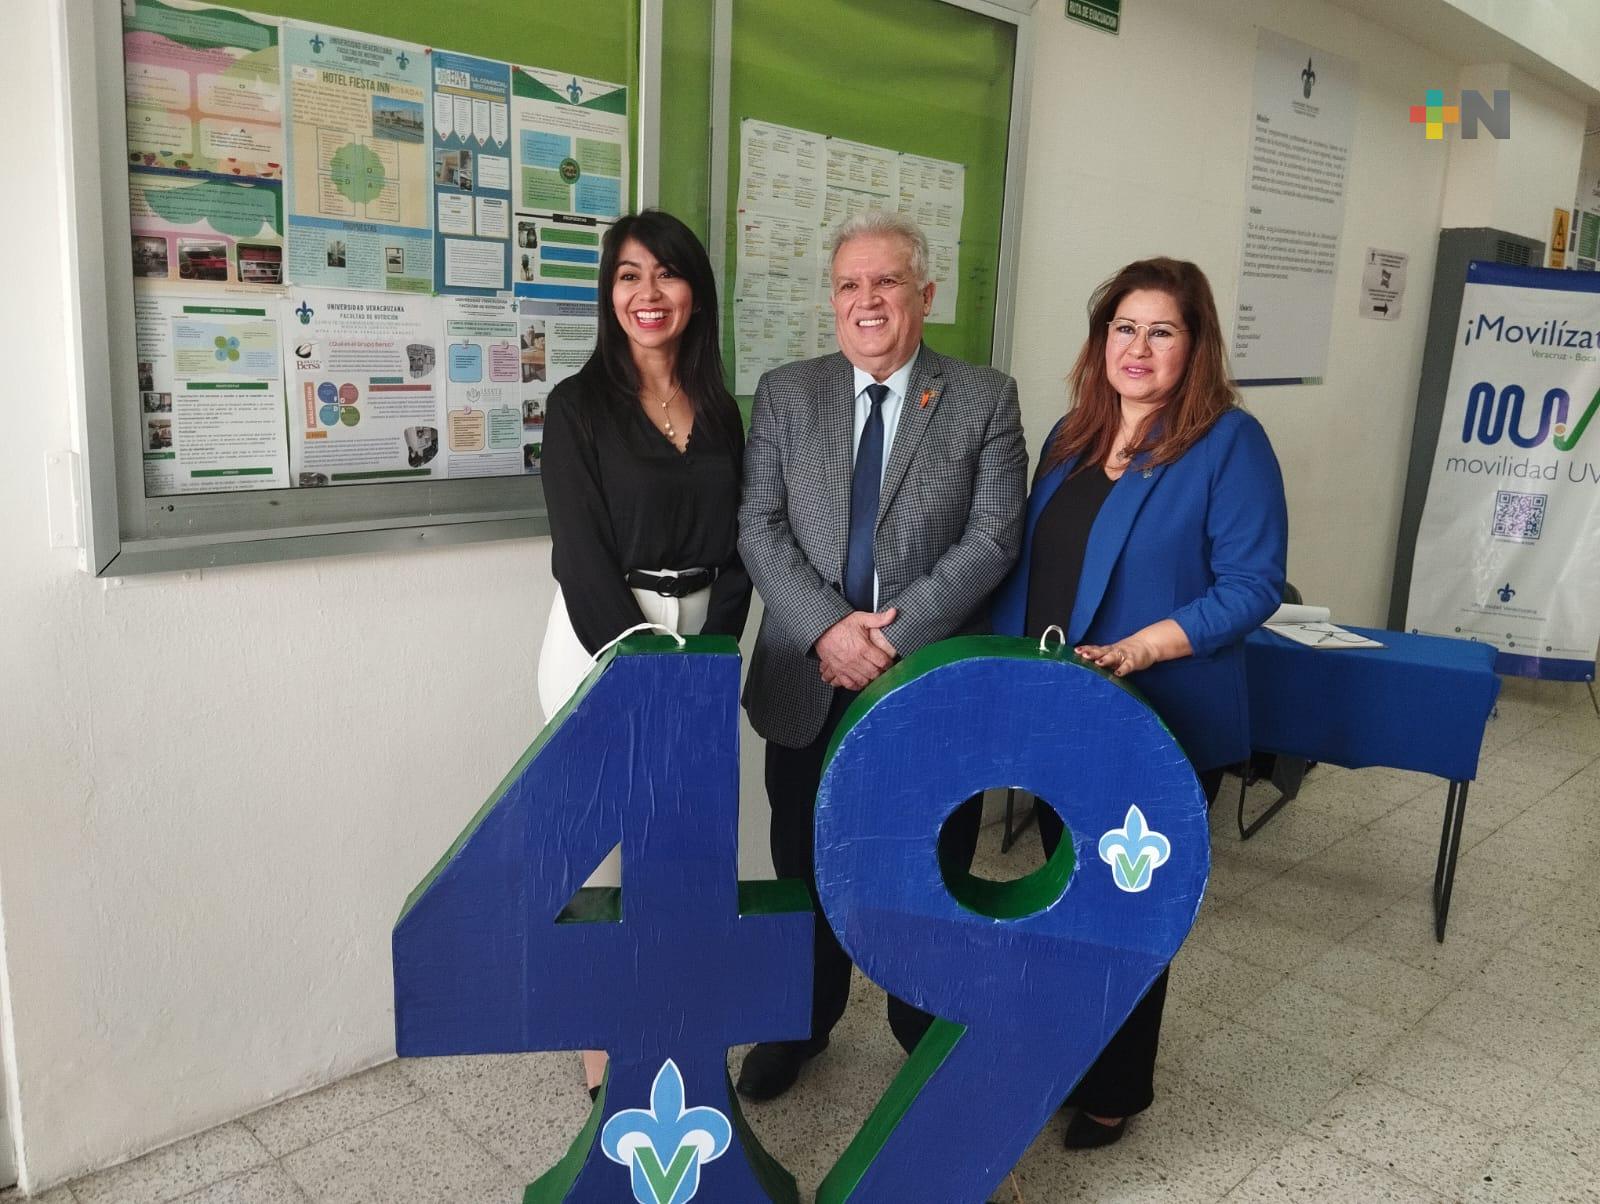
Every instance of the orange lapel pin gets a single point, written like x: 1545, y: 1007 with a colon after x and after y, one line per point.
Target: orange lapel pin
x: 927, y: 396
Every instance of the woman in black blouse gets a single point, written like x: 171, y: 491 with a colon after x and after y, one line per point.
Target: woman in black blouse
x: 642, y: 456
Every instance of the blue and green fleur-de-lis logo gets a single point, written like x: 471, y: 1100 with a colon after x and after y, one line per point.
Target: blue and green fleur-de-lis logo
x: 666, y: 1145
x: 304, y: 314
x: 1134, y: 852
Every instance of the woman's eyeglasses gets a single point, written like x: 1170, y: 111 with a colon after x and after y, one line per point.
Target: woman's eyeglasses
x: 1159, y: 335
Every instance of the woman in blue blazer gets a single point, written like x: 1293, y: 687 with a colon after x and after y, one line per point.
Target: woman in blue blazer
x: 1155, y: 539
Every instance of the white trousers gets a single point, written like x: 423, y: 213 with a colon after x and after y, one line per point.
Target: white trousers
x: 564, y: 663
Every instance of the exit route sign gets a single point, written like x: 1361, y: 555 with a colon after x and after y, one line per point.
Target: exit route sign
x: 1101, y: 14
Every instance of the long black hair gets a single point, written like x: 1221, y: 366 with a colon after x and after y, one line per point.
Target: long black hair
x: 700, y: 349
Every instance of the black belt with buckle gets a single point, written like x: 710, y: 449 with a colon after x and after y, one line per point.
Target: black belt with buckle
x: 671, y: 585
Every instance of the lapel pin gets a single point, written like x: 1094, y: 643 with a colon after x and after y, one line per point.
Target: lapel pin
x: 927, y: 396
x: 1146, y: 474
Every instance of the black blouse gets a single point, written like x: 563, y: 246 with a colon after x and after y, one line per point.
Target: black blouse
x: 1060, y: 539
x: 622, y: 497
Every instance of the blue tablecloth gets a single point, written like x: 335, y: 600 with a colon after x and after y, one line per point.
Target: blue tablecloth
x: 1419, y: 703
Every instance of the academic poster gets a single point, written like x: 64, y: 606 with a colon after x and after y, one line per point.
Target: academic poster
x: 360, y: 199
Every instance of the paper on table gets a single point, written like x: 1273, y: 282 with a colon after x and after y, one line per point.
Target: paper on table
x: 1321, y: 635
x: 1291, y: 612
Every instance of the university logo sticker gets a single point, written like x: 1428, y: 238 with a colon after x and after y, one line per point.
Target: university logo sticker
x: 1134, y: 852
x: 665, y: 1145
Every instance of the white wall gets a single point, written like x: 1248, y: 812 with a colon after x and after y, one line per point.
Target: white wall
x: 218, y: 791
x: 1138, y: 148
x: 1515, y: 183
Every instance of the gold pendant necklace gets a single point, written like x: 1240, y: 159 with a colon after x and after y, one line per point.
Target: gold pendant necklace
x: 666, y: 417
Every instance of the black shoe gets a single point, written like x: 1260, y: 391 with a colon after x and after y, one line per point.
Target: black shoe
x: 772, y: 1067
x: 1086, y: 1133
x: 594, y: 1093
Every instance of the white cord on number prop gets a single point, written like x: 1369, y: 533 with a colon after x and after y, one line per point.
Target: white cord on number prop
x: 1044, y: 640
x: 638, y: 627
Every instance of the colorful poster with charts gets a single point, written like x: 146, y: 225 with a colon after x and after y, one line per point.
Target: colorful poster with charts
x: 210, y: 395
x: 471, y: 174
x: 1508, y: 551
x: 359, y: 208
x: 204, y: 89
x: 572, y: 143
x: 365, y: 396
x: 205, y: 232
x: 483, y: 412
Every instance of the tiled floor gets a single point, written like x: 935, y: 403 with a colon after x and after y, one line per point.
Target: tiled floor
x: 1318, y: 1044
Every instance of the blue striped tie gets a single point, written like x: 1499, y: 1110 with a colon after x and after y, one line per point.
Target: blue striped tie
x: 864, y: 485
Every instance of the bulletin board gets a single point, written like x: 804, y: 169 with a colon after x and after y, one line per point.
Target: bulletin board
x: 909, y: 90
x: 940, y: 80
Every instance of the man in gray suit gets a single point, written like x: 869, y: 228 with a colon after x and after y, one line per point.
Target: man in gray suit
x: 883, y: 501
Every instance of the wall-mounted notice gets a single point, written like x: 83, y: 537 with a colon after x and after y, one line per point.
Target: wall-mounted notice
x: 359, y: 195
x: 471, y: 174
x: 205, y: 232
x: 205, y: 147
x: 365, y: 401
x: 795, y: 186
x: 1302, y: 124
x: 483, y: 412
x: 204, y: 89
x: 1383, y: 284
x: 1560, y: 230
x: 571, y: 143
x: 210, y: 395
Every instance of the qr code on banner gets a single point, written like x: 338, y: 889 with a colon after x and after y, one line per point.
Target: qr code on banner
x: 1519, y: 515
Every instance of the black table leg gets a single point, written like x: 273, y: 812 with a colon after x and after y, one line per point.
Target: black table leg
x: 1444, y: 876
x: 1009, y: 836
x: 1246, y: 831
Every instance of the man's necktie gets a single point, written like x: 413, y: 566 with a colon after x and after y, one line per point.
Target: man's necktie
x: 864, y: 486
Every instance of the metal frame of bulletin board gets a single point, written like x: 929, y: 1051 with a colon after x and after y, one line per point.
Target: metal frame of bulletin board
x: 676, y: 62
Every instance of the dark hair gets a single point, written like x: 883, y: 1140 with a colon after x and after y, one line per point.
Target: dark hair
x: 699, y: 364
x: 1201, y: 396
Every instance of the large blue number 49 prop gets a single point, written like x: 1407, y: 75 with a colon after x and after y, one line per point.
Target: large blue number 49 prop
x: 1031, y: 978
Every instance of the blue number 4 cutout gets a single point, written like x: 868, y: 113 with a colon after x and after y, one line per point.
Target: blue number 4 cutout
x: 664, y: 974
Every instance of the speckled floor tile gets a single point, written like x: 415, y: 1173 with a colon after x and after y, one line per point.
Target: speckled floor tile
x: 1539, y: 985
x: 1567, y: 1118
x: 1309, y: 1171
x: 1404, y: 934
x: 268, y: 1184
x: 1378, y: 983
x: 1219, y: 982
x: 1584, y: 1070
x: 1207, y: 1141
x: 409, y: 1156
x: 1280, y: 1083
x: 58, y: 1195
x: 175, y: 1170
x: 524, y: 1108
x: 309, y: 1118
x: 1305, y: 1017
x: 1489, y: 1090
x: 1403, y: 1135
x: 1242, y: 930
x: 1472, y: 1016
x: 1520, y: 1170
x: 1329, y: 910
x: 1116, y: 1174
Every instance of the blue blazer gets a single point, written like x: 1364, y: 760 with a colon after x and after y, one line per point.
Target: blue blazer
x: 1201, y: 541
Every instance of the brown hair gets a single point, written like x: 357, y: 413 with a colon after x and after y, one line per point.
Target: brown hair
x: 1201, y: 396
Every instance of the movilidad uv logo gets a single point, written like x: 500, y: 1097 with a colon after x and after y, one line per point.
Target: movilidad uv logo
x: 1493, y: 414
x: 665, y: 1145
x: 1433, y: 114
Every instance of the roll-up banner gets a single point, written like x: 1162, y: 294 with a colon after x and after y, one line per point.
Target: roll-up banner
x: 1509, y: 548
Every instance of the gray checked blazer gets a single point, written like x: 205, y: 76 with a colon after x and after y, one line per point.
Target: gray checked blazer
x: 949, y: 518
